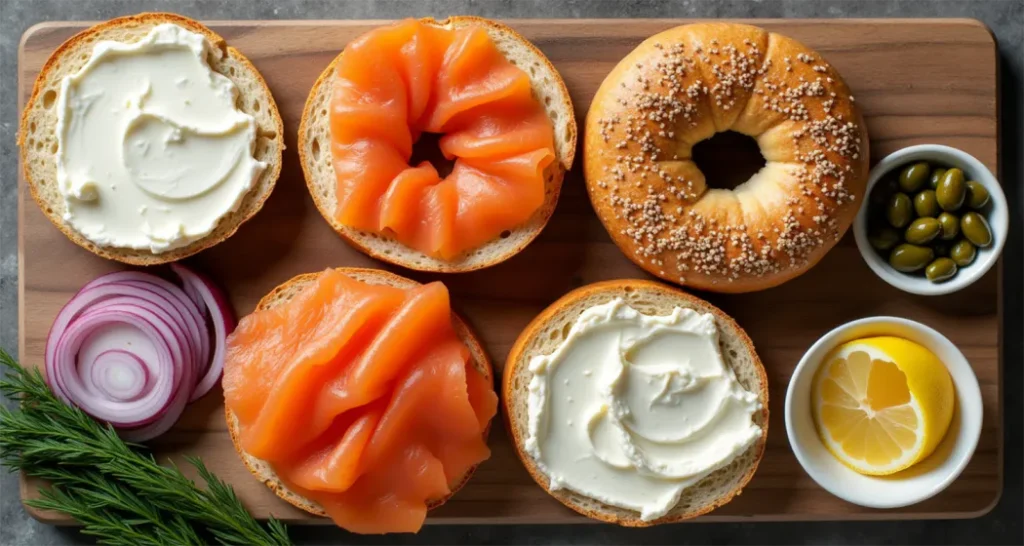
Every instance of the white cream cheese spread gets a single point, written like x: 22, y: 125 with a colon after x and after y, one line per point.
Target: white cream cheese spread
x: 632, y: 409
x: 151, y: 149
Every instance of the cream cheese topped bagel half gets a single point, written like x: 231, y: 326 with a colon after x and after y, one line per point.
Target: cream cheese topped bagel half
x: 504, y: 120
x: 635, y: 403
x: 147, y: 139
x: 679, y: 88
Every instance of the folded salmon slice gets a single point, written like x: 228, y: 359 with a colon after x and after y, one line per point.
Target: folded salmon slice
x: 397, y: 82
x: 362, y: 398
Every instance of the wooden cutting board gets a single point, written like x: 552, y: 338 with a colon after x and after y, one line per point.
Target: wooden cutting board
x: 918, y: 81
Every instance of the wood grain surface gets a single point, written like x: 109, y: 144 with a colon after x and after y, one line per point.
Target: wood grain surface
x: 900, y: 72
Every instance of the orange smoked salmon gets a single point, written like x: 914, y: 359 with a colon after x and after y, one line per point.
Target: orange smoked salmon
x: 397, y: 82
x: 362, y: 398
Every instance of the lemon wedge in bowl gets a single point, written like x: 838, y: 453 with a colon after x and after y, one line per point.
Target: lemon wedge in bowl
x: 882, y: 404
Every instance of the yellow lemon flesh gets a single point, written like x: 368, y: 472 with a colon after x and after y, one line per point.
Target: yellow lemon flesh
x: 882, y: 404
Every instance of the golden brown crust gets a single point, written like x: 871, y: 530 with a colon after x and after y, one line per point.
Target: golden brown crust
x: 142, y: 256
x: 481, y: 363
x: 733, y: 77
x: 371, y: 244
x: 517, y: 357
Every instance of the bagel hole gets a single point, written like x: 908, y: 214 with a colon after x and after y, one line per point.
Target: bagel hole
x: 728, y: 159
x: 428, y: 148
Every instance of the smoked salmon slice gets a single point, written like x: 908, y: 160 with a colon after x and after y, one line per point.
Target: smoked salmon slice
x: 362, y: 398
x: 395, y: 83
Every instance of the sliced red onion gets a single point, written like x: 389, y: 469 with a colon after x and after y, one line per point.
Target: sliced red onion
x: 207, y: 295
x: 133, y: 349
x: 166, y: 289
x: 169, y: 368
x: 119, y: 375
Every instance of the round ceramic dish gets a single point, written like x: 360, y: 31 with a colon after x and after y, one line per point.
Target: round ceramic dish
x: 996, y: 212
x: 909, y: 486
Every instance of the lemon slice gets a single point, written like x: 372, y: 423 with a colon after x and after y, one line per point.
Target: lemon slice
x: 882, y: 404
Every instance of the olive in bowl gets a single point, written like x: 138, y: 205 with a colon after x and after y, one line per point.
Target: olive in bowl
x: 935, y: 220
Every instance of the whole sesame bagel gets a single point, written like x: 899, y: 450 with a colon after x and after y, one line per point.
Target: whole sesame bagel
x: 679, y: 88
x: 549, y: 330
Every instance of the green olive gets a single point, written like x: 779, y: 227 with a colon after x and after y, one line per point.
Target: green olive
x: 900, y: 211
x: 950, y: 226
x: 963, y: 253
x: 941, y: 248
x: 922, y: 231
x: 933, y: 180
x: 913, y: 177
x: 925, y: 204
x: 977, y: 195
x: 884, y: 238
x: 909, y: 258
x: 952, y: 190
x: 942, y: 269
x: 975, y: 228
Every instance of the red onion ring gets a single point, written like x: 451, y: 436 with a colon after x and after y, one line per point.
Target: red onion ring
x: 207, y: 295
x: 133, y: 349
x: 120, y: 375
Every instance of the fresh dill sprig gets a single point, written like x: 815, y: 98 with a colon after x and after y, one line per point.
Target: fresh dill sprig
x: 108, y: 526
x: 110, y: 511
x: 111, y: 486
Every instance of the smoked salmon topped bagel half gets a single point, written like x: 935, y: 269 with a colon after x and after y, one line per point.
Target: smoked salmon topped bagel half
x: 503, y: 118
x: 359, y: 395
x: 684, y: 85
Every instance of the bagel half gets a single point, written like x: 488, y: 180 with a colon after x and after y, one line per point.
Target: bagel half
x: 285, y: 292
x: 37, y: 138
x: 546, y: 333
x: 548, y: 88
x: 682, y: 86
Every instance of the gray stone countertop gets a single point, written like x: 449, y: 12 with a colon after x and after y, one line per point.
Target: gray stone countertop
x: 1004, y: 17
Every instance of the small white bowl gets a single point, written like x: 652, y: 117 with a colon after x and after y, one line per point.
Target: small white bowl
x: 997, y: 214
x: 909, y: 486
